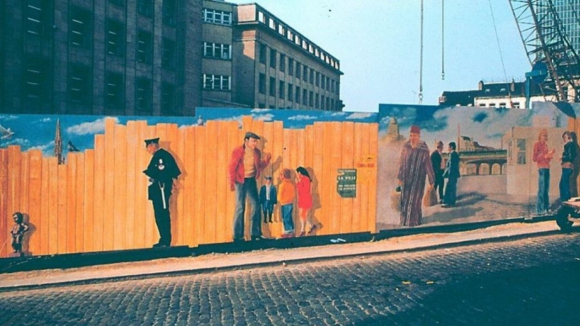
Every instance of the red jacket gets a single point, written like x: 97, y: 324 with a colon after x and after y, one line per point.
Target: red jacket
x: 236, y: 171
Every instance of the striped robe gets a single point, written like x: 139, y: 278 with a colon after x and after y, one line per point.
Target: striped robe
x: 414, y: 165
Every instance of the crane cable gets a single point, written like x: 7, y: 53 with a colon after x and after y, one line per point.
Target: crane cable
x: 500, y: 52
x: 421, y: 60
x: 442, y: 39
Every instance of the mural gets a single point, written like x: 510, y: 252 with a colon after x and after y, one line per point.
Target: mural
x: 84, y: 182
x: 490, y: 174
x: 313, y: 173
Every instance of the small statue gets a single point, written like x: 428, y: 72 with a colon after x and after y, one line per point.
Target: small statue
x: 18, y: 232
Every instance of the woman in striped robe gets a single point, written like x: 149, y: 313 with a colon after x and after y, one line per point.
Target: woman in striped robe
x: 414, y: 166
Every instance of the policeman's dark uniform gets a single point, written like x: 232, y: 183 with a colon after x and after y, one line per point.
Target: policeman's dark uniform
x: 161, y: 171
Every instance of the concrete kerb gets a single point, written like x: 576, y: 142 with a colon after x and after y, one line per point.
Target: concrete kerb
x: 275, y: 262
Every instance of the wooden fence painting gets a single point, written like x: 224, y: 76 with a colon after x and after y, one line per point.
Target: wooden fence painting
x: 97, y: 200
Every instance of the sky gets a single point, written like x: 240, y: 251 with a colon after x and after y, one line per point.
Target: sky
x: 378, y: 44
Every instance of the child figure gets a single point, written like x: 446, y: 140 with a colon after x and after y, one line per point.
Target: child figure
x: 18, y: 231
x: 286, y: 200
x: 268, y: 199
x: 304, y: 200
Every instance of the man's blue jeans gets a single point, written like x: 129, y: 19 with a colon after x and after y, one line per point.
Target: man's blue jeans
x: 565, y: 184
x: 287, y: 218
x: 249, y: 189
x: 543, y: 202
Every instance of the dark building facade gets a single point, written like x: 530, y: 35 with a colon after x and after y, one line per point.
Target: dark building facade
x: 156, y: 57
x: 118, y: 57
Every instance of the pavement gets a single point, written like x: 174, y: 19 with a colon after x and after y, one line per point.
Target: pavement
x: 336, y: 247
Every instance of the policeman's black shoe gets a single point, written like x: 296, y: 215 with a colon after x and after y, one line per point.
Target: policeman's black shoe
x: 157, y: 245
x: 238, y: 240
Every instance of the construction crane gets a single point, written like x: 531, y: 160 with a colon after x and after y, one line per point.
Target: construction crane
x: 548, y: 45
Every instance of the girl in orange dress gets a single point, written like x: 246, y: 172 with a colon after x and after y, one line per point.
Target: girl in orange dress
x: 304, y: 200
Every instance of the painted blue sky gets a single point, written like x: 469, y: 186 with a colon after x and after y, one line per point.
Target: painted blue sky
x: 484, y: 125
x: 38, y: 131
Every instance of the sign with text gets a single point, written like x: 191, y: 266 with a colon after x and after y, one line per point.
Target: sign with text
x: 346, y: 183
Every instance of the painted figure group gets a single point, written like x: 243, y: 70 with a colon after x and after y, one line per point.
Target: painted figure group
x: 416, y: 165
x: 245, y: 167
x: 543, y: 156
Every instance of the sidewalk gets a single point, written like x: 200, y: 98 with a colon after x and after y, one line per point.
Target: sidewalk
x: 268, y: 257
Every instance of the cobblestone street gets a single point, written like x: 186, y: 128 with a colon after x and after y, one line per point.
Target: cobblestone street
x: 534, y: 281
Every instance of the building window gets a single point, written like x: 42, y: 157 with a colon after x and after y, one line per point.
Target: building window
x: 322, y: 81
x: 304, y: 97
x: 144, y: 47
x: 168, y: 98
x: 216, y: 50
x: 272, y: 86
x: 521, y: 151
x: 217, y: 16
x: 36, y: 88
x: 114, y: 91
x: 281, y: 90
x: 282, y: 62
x: 263, y: 49
x: 297, y: 95
x: 273, y: 58
x: 290, y: 94
x: 262, y: 84
x: 118, y: 2
x: 37, y: 16
x: 115, y: 38
x: 311, y: 99
x: 80, y: 27
x: 516, y: 105
x: 305, y: 73
x: 168, y: 55
x: 79, y: 84
x: 298, y: 70
x: 312, y: 73
x: 290, y: 66
x: 316, y: 101
x: 145, y: 7
x: 216, y: 82
x: 143, y: 95
x: 169, y: 10
x: 317, y: 78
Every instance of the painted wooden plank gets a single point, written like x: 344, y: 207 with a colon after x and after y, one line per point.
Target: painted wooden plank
x: 222, y: 187
x: 108, y: 207
x: 70, y: 199
x: 118, y: 219
x: 43, y: 225
x: 80, y: 201
x: 328, y: 187
x: 89, y: 202
x: 52, y: 214
x: 178, y: 193
x: 24, y: 179
x: 357, y: 203
x: 99, y: 192
x: 347, y: 162
x: 186, y: 184
x: 35, y: 197
x: 268, y: 147
x: 62, y: 210
x: 210, y: 180
x: 141, y: 202
x: 131, y: 170
x: 200, y: 186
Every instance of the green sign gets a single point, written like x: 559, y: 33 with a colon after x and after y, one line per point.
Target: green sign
x: 346, y: 183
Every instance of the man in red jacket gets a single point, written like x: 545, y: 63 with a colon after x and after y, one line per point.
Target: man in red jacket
x: 244, y: 168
